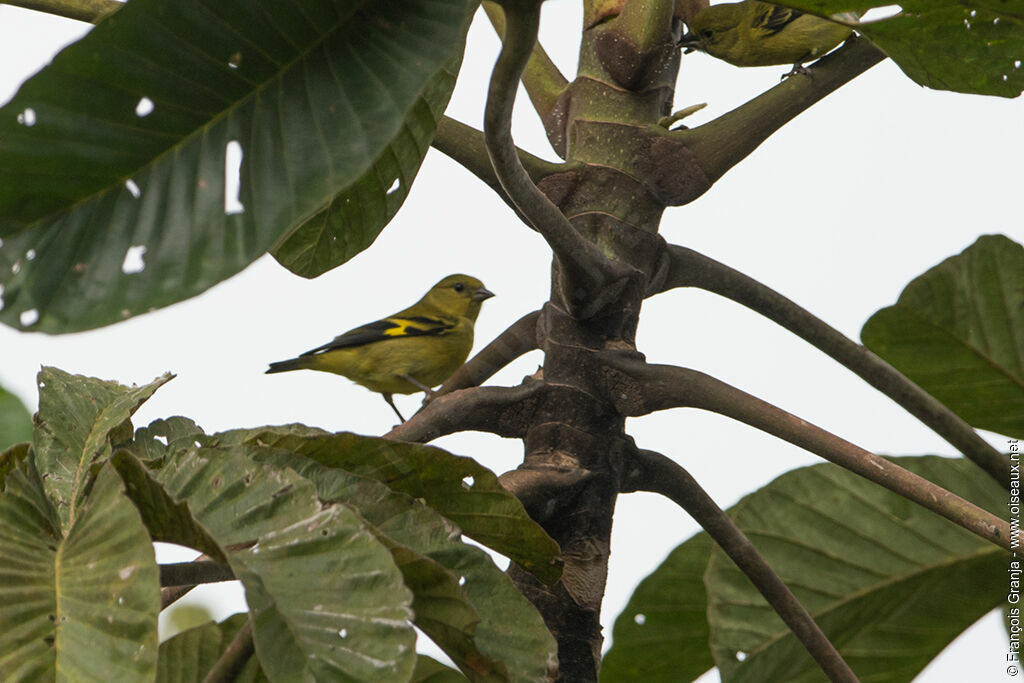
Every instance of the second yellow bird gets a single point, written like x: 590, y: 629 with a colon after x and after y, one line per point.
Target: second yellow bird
x: 753, y: 33
x: 413, y: 350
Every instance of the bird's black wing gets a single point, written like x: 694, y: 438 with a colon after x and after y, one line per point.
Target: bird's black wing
x: 774, y: 18
x: 394, y: 327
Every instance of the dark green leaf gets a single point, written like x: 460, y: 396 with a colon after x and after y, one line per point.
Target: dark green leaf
x: 457, y: 487
x: 890, y: 583
x: 78, y: 419
x: 85, y: 604
x: 661, y: 636
x: 114, y: 195
x: 958, y: 331
x: 867, y: 564
x: 353, y: 219
x: 15, y: 420
x: 970, y: 46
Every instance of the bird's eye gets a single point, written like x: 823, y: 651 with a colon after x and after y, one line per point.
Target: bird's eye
x: 707, y: 34
x: 458, y: 286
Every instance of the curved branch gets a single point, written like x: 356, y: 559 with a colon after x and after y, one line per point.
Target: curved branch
x: 504, y: 411
x: 591, y: 281
x: 91, y: 11
x: 234, y: 658
x: 722, y: 143
x: 543, y: 81
x: 691, y: 269
x: 645, y: 388
x: 518, y: 339
x: 659, y: 474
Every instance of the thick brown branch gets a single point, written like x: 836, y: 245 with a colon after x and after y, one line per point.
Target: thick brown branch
x: 234, y: 658
x: 92, y: 11
x: 192, y: 573
x: 519, y: 338
x: 659, y: 474
x: 504, y: 411
x: 590, y: 281
x: 645, y: 388
x: 691, y: 269
x: 543, y: 81
x: 722, y: 143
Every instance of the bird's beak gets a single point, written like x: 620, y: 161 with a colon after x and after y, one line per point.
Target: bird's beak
x: 481, y: 294
x: 689, y: 42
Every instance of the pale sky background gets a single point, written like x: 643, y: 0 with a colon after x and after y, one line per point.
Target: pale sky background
x: 839, y: 210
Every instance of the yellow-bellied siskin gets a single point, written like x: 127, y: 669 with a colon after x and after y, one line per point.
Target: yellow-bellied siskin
x: 409, y: 351
x: 753, y: 33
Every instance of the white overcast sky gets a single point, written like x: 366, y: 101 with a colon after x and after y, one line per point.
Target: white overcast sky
x: 838, y: 210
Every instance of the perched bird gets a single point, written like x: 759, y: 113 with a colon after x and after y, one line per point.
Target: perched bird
x: 412, y: 350
x: 753, y: 33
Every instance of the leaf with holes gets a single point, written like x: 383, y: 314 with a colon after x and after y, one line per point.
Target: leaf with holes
x: 971, y: 46
x: 326, y: 598
x: 958, y: 331
x: 353, y: 219
x: 84, y: 604
x: 866, y: 563
x: 457, y: 487
x: 177, y: 142
x: 470, y: 608
x: 78, y: 419
x: 661, y: 636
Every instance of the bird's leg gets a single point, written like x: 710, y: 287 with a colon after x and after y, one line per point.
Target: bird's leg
x: 387, y: 397
x: 429, y: 393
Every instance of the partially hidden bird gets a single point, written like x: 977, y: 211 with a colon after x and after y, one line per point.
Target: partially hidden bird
x: 413, y: 350
x: 754, y: 33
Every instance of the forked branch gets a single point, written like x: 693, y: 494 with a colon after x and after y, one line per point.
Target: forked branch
x: 659, y: 474
x: 691, y: 269
x: 647, y: 388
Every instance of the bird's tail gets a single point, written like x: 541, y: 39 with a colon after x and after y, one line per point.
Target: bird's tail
x: 299, y: 363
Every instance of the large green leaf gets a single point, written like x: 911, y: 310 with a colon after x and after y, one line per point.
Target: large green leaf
x: 77, y: 421
x: 866, y: 563
x: 118, y: 149
x: 353, y: 219
x: 970, y: 46
x: 15, y: 421
x: 661, y: 636
x: 457, y: 487
x: 958, y: 331
x: 471, y: 610
x: 890, y: 583
x: 81, y: 607
x: 326, y: 598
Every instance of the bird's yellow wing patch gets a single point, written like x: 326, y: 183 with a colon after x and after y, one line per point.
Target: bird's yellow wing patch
x: 387, y: 328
